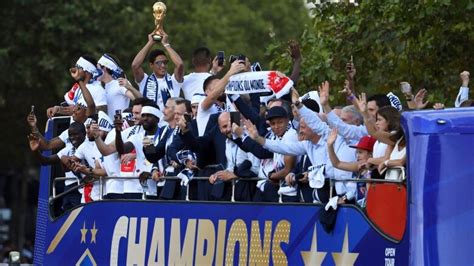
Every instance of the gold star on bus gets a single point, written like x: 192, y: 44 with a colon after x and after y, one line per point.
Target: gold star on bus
x: 93, y: 233
x: 83, y: 233
x: 345, y: 257
x: 313, y: 257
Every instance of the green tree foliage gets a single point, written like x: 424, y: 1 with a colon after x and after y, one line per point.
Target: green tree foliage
x: 42, y: 39
x: 427, y: 43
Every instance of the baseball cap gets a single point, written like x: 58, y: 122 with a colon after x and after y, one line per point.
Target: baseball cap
x: 276, y: 111
x: 365, y: 143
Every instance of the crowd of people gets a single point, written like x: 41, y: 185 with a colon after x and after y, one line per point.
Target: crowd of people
x: 273, y: 149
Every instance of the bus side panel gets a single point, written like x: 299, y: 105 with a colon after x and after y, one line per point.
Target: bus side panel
x: 441, y: 177
x: 126, y: 233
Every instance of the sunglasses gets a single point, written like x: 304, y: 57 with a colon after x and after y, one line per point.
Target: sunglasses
x: 164, y: 62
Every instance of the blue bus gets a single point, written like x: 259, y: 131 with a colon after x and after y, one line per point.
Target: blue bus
x: 425, y: 220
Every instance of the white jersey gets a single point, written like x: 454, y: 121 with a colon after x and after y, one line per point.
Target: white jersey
x: 153, y: 88
x: 142, y: 164
x: 117, y: 98
x: 193, y: 83
x: 89, y: 153
x: 202, y: 117
x: 68, y: 151
x: 112, y: 167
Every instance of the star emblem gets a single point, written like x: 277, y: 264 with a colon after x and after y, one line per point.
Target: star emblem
x: 83, y: 233
x: 93, y: 233
x: 313, y: 257
x: 345, y: 257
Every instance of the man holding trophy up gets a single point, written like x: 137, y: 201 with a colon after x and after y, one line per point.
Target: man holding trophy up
x: 159, y: 86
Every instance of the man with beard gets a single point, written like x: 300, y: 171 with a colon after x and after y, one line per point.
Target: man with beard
x: 77, y: 135
x: 149, y: 136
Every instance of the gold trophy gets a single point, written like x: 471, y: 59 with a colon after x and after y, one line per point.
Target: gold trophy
x: 159, y: 12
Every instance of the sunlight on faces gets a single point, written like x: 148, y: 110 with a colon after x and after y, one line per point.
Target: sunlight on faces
x: 381, y: 124
x: 79, y: 113
x: 148, y: 121
x: 159, y: 66
x: 168, y: 113
x: 76, y: 137
x: 363, y: 155
x: 279, y: 125
x: 224, y: 124
x: 137, y: 113
x: 194, y: 107
x: 372, y: 108
x: 179, y: 111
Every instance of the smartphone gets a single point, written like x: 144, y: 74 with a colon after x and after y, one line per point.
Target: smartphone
x: 32, y: 109
x: 235, y: 118
x: 220, y: 58
x: 405, y: 87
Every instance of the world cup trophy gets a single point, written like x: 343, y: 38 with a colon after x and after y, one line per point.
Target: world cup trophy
x: 159, y: 12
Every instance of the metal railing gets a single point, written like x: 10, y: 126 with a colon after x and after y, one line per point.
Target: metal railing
x: 101, y: 180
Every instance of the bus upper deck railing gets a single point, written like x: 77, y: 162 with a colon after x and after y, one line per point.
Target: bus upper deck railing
x: 101, y: 180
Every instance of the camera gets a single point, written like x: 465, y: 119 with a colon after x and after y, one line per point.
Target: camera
x: 232, y: 58
x: 220, y: 58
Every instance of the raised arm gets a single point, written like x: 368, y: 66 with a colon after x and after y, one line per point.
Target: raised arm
x: 137, y: 62
x: 346, y: 166
x: 236, y: 67
x: 382, y: 136
x: 131, y: 92
x: 174, y: 56
x: 82, y: 79
x: 295, y: 53
x: 463, y: 94
x: 311, y: 118
x: 278, y: 146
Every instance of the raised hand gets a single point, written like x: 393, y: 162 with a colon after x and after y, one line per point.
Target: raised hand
x: 347, y: 88
x: 419, y: 98
x: 350, y: 70
x: 237, y: 130
x: 118, y: 122
x: 94, y: 128
x: 215, y: 66
x: 324, y: 93
x: 77, y: 74
x: 294, y: 50
x: 361, y: 103
x: 464, y: 78
x: 31, y: 120
x: 294, y: 95
x: 164, y: 38
x: 253, y: 132
x: 236, y: 67
x: 332, y: 137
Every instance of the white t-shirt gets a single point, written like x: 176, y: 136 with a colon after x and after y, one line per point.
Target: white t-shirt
x: 112, y: 167
x: 155, y: 95
x: 116, y: 97
x: 142, y: 164
x: 112, y: 162
x: 202, y: 117
x: 379, y: 149
x: 68, y: 151
x: 193, y: 83
x: 89, y: 153
x: 74, y: 95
